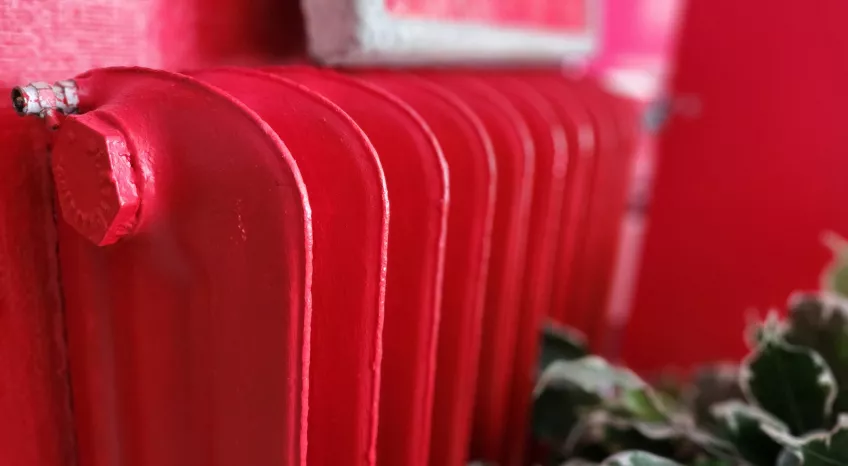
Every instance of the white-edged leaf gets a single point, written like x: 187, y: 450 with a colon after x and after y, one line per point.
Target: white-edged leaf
x: 592, y: 374
x: 819, y: 321
x: 782, y: 436
x: 579, y: 462
x: 789, y: 457
x: 826, y: 449
x: 792, y: 383
x: 742, y: 425
x: 637, y: 458
x: 733, y: 411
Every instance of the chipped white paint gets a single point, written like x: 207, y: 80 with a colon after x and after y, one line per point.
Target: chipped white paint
x: 40, y: 98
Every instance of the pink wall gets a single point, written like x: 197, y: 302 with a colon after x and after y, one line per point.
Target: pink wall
x: 49, y: 40
x: 744, y: 188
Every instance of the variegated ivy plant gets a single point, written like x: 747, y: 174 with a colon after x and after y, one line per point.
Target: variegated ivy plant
x: 786, y: 404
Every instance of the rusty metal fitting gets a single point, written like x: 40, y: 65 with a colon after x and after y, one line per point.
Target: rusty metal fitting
x: 45, y: 100
x: 95, y: 181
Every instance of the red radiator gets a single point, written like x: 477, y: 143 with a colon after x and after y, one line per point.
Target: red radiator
x: 300, y: 266
x: 292, y: 265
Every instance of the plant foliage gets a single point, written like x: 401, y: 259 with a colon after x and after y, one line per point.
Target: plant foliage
x: 785, y: 404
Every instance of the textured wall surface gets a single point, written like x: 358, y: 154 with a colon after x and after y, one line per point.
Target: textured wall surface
x: 45, y: 40
x: 52, y: 39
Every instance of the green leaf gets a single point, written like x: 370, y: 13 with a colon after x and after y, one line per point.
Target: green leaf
x: 557, y: 410
x: 830, y: 450
x: 623, y: 391
x: 655, y: 438
x: 644, y: 404
x: 711, y: 444
x: 816, y: 449
x: 707, y: 461
x: 637, y: 458
x: 567, y: 389
x: 821, y: 323
x: 792, y: 383
x: 676, y: 437
x: 741, y: 424
x: 591, y: 373
x: 789, y: 457
x: 579, y: 462
x: 678, y: 440
x: 561, y: 343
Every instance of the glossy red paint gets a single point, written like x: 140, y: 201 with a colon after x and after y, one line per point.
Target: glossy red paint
x: 583, y: 134
x: 471, y: 164
x: 132, y: 178
x: 36, y: 427
x: 515, y: 158
x: 188, y: 338
x: 580, y: 144
x: 417, y: 180
x: 55, y: 40
x: 350, y: 213
x: 576, y: 291
x: 94, y: 178
x: 551, y: 151
x: 589, y: 292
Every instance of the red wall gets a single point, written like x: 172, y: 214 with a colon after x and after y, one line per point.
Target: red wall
x: 744, y: 188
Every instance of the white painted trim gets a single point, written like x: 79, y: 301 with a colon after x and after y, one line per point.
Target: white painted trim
x: 361, y: 32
